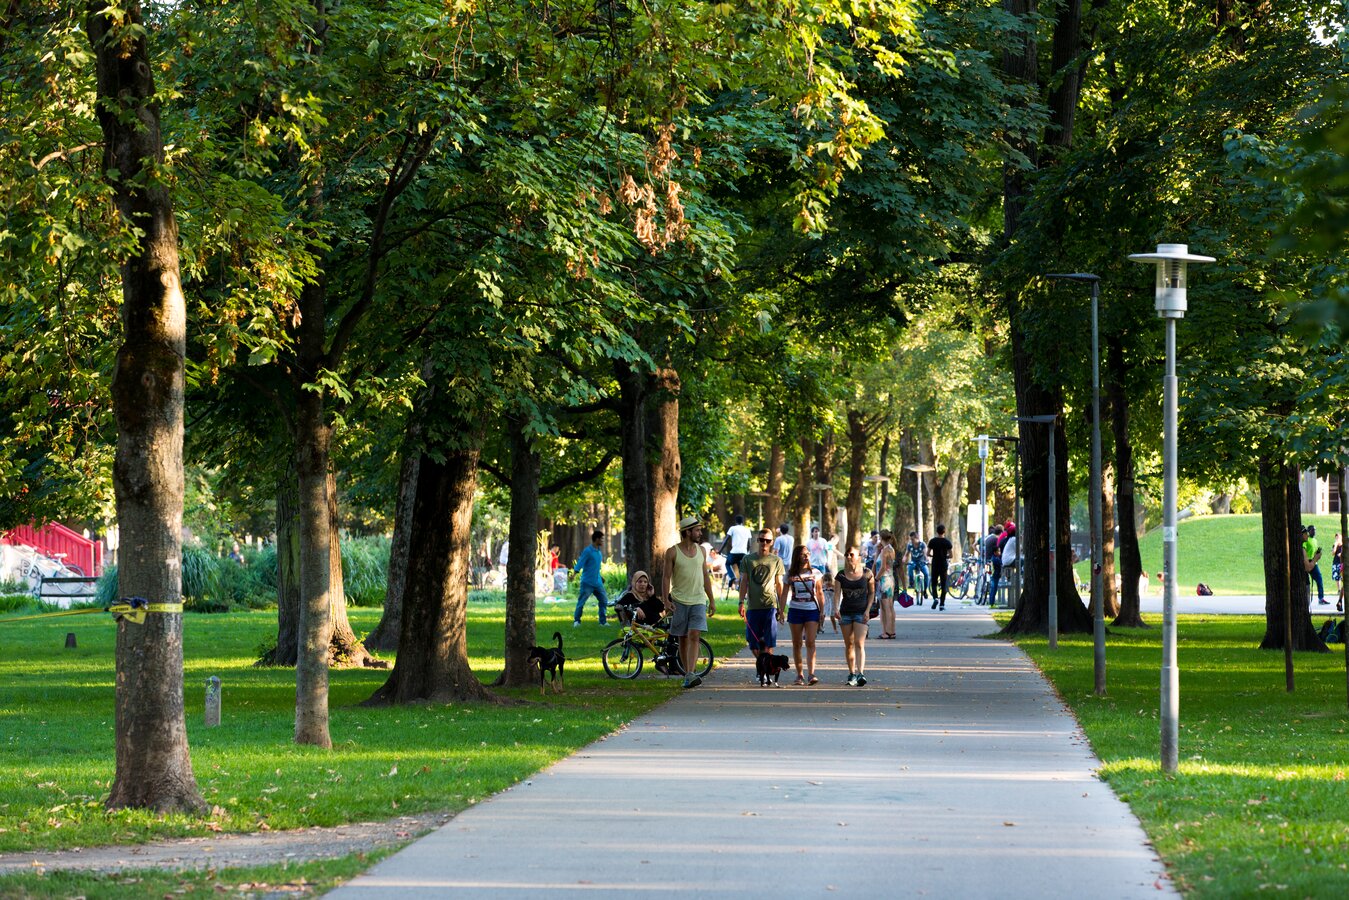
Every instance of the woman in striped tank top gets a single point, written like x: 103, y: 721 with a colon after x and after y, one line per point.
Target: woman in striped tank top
x: 804, y: 612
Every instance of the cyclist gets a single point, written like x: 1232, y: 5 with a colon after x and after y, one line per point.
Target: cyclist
x: 915, y: 555
x: 639, y: 603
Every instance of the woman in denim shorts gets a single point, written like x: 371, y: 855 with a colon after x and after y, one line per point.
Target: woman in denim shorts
x: 855, y: 589
x: 804, y: 611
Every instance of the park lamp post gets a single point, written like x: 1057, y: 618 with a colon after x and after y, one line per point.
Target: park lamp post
x: 822, y: 489
x: 1170, y: 301
x: 982, y: 440
x: 1097, y: 537
x: 919, y: 469
x: 876, y: 480
x: 1053, y: 623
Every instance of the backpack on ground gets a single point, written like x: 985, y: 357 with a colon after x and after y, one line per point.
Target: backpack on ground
x: 1203, y: 590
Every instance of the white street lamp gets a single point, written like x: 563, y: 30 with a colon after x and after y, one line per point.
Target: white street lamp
x: 1097, y: 537
x: 877, y: 480
x: 919, y: 469
x: 1171, y: 261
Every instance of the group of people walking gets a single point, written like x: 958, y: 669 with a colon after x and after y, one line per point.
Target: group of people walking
x: 779, y: 582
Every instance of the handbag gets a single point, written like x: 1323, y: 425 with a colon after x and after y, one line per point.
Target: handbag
x: 905, y: 599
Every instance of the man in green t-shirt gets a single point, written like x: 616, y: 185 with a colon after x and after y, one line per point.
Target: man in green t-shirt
x: 1312, y: 548
x: 763, y: 581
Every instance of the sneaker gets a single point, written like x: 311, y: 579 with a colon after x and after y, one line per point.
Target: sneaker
x: 575, y: 624
x: 852, y: 680
x: 861, y: 680
x: 942, y: 607
x: 693, y: 682
x: 1322, y: 602
x: 813, y: 679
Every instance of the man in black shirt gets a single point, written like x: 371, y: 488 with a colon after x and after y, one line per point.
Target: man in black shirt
x: 939, y: 551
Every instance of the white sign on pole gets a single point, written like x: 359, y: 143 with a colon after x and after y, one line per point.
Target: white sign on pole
x: 974, y: 518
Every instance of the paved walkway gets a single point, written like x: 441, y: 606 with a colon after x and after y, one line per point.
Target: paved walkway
x: 954, y: 773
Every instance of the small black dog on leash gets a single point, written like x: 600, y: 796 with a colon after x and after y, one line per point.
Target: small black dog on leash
x: 768, y: 666
x: 550, y: 660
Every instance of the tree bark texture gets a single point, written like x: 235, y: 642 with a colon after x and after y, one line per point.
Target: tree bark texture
x: 632, y: 391
x: 802, y: 494
x: 311, y: 465
x: 1286, y: 590
x: 857, y: 463
x: 524, y: 535
x: 385, y: 636
x: 663, y: 470
x: 772, y: 504
x: 950, y: 490
x: 344, y: 648
x: 824, y: 474
x: 1110, y: 596
x: 287, y: 647
x: 153, y: 764
x: 1126, y: 510
x: 432, y: 664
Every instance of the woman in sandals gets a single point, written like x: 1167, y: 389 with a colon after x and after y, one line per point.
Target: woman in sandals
x: 805, y: 609
x: 855, y: 590
x: 885, y: 583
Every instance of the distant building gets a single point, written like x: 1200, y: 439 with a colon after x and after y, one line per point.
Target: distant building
x: 1320, y: 495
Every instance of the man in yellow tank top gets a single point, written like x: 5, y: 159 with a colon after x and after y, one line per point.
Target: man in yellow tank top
x: 687, y: 582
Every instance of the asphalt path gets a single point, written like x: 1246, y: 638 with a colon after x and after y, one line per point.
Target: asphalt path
x: 955, y: 772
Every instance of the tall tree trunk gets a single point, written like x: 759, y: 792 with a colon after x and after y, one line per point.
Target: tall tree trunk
x: 432, y: 664
x: 1021, y: 64
x: 802, y: 493
x: 949, y: 493
x: 857, y: 462
x: 663, y: 471
x: 385, y: 636
x: 311, y: 464
x: 1286, y: 590
x: 524, y: 537
x: 344, y: 648
x: 632, y: 392
x: 153, y: 764
x: 824, y: 474
x: 884, y: 472
x: 772, y: 507
x: 1110, y: 596
x: 287, y: 647
x: 1126, y: 511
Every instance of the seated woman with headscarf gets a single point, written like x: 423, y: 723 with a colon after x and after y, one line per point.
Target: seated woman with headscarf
x: 639, y: 603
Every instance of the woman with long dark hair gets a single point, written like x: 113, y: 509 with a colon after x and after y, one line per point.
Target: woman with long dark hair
x: 805, y: 608
x: 855, y: 587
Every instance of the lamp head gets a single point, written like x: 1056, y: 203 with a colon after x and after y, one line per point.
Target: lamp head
x: 983, y: 446
x: 1171, y: 261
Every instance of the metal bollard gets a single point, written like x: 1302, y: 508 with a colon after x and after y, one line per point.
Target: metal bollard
x: 212, y: 702
x: 70, y: 640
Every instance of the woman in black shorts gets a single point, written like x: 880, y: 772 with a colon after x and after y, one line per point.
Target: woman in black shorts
x: 855, y: 588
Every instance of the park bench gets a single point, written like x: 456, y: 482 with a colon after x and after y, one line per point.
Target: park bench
x: 65, y: 589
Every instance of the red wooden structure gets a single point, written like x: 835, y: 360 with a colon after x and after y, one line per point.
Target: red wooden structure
x: 54, y: 538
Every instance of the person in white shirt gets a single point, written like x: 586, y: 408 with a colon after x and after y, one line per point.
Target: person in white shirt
x: 818, y: 550
x: 735, y: 547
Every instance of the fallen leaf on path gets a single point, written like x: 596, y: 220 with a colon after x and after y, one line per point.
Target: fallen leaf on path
x: 1009, y: 824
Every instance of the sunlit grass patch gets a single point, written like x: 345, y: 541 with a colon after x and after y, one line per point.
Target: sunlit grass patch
x: 56, y: 742
x: 1260, y: 801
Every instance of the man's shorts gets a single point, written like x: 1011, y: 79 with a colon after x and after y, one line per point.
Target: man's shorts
x: 802, y: 616
x: 761, y: 628
x: 688, y: 618
x: 853, y: 619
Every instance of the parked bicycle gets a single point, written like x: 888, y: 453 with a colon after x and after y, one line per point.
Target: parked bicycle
x: 624, y: 656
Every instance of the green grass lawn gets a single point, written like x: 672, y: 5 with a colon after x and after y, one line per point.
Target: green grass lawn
x: 56, y: 730
x: 1261, y: 801
x: 1226, y: 553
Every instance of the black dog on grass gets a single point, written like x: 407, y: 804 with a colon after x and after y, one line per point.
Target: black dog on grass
x: 550, y: 660
x: 768, y: 666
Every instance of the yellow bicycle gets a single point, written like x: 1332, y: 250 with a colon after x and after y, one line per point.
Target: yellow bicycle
x: 624, y: 656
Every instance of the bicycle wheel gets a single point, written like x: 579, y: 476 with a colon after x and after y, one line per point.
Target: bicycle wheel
x: 74, y: 570
x: 622, y: 659
x: 920, y: 584
x: 960, y: 587
x: 704, y: 660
